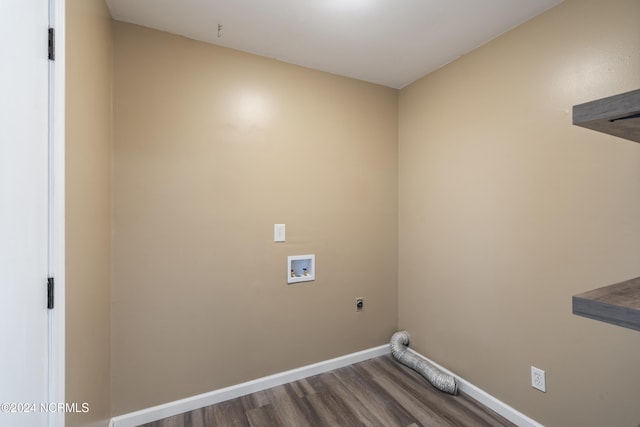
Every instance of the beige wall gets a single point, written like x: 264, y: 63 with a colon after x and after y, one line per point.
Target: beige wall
x: 507, y: 210
x: 88, y: 209
x: 211, y: 148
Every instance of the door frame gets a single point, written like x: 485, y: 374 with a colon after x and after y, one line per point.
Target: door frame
x: 57, y: 10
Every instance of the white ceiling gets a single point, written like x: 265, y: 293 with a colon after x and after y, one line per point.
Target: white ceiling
x: 389, y: 42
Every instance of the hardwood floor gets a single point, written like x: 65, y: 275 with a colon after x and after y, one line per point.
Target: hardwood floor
x: 377, y: 392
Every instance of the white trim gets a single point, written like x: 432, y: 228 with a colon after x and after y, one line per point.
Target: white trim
x: 189, y: 404
x: 486, y: 399
x: 57, y: 10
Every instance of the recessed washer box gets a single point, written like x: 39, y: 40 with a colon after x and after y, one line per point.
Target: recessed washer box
x: 301, y: 268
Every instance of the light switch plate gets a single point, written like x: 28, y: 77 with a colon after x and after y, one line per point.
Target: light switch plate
x: 278, y: 232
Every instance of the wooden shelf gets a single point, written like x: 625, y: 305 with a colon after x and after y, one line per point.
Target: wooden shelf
x: 617, y: 304
x: 617, y: 115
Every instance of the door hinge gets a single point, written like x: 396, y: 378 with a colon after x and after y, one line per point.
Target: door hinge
x: 52, y: 44
x: 50, y: 289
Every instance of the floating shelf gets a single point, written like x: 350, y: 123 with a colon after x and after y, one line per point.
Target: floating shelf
x: 617, y: 304
x: 617, y: 115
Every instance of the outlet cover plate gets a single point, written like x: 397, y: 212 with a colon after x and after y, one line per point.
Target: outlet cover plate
x: 538, y: 379
x: 279, y: 233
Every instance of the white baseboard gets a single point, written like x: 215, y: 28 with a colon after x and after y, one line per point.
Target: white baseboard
x: 486, y: 399
x: 159, y: 412
x: 195, y: 402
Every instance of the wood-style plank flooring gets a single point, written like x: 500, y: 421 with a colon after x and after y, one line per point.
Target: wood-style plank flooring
x: 378, y: 392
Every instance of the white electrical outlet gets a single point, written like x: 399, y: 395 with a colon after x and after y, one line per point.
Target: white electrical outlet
x: 279, y: 233
x: 538, y: 379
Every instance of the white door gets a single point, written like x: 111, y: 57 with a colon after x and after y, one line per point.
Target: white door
x: 24, y: 209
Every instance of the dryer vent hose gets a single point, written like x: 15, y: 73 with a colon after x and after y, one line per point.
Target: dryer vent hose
x: 437, y: 378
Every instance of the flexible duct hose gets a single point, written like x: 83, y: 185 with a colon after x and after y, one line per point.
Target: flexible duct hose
x: 437, y: 378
